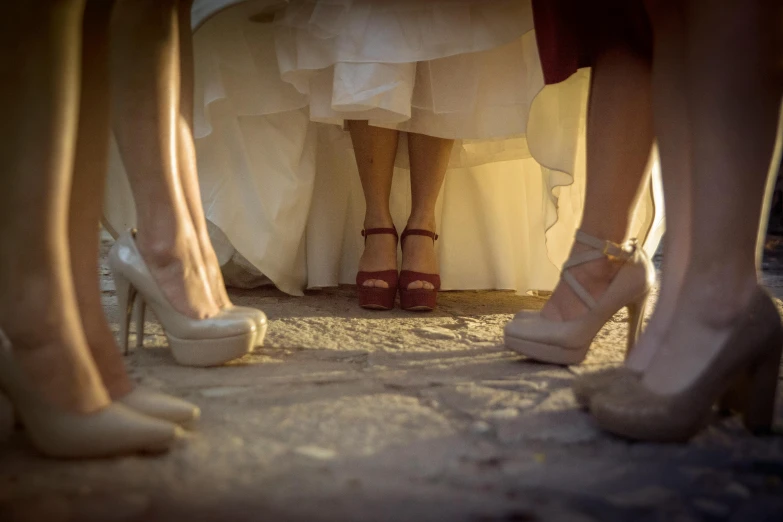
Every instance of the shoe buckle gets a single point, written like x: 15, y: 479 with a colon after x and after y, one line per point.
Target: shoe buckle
x: 617, y: 252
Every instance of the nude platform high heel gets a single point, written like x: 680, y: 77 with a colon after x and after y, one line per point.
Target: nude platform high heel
x: 254, y: 314
x: 751, y: 355
x: 567, y: 342
x: 114, y: 430
x: 194, y: 342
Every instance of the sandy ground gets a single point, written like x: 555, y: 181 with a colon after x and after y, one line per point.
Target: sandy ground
x: 356, y: 416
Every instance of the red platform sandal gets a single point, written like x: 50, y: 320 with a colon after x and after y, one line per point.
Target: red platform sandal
x: 374, y: 298
x: 419, y: 299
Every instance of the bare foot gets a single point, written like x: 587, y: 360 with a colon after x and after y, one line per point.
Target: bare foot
x: 595, y: 276
x: 380, y: 253
x: 419, y: 255
x: 704, y: 318
x: 179, y: 270
x: 214, y: 273
x: 106, y: 354
x: 40, y: 321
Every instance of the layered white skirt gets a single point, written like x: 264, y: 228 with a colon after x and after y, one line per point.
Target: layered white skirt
x: 274, y: 84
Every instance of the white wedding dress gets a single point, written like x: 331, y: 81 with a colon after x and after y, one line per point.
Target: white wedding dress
x: 274, y: 84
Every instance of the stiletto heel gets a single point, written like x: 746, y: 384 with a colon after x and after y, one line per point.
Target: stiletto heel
x: 111, y: 431
x: 194, y: 342
x: 567, y: 342
x: 139, y: 311
x: 373, y: 298
x: 741, y: 376
x: 635, y: 320
x: 125, y: 298
x: 418, y: 299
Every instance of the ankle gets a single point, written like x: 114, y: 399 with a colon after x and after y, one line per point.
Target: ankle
x: 717, y: 301
x: 422, y: 222
x: 378, y: 220
x: 162, y: 247
x: 599, y: 270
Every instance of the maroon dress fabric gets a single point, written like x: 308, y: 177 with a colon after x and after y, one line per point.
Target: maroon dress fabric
x: 571, y: 33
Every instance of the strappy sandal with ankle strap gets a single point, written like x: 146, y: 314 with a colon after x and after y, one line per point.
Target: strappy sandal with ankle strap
x: 567, y: 342
x: 418, y: 299
x: 374, y: 298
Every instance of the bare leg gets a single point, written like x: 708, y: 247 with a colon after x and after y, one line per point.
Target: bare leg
x: 188, y: 170
x: 734, y: 85
x: 145, y: 115
x: 429, y: 158
x: 619, y: 141
x: 376, y: 150
x: 39, y: 52
x: 669, y: 105
x: 90, y: 163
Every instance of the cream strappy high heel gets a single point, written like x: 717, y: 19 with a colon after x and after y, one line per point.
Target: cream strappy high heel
x: 567, y: 342
x: 194, y: 342
x: 114, y: 430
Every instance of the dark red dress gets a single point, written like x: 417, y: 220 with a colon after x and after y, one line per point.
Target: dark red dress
x: 571, y: 33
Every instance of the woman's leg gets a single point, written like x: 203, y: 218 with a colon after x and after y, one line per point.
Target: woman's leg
x: 90, y: 163
x: 619, y: 141
x: 673, y: 137
x: 186, y: 152
x: 376, y: 150
x: 734, y: 83
x: 429, y: 157
x: 146, y: 111
x: 39, y: 52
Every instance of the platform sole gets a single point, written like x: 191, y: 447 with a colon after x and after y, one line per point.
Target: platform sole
x: 546, y: 353
x: 204, y: 353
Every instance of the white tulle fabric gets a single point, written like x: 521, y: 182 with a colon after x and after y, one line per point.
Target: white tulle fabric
x: 274, y: 84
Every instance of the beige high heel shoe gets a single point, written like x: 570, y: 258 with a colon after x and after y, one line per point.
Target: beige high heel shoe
x: 161, y: 406
x: 750, y: 356
x: 567, y: 342
x: 194, y: 342
x: 115, y: 430
x: 254, y: 314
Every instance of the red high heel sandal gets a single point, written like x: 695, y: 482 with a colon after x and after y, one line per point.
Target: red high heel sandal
x: 374, y: 298
x: 419, y: 299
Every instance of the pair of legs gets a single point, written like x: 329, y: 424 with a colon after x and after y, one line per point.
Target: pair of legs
x: 152, y: 121
x: 714, y: 108
x: 722, y: 61
x: 620, y: 135
x: 376, y: 150
x: 53, y: 151
x: 152, y: 106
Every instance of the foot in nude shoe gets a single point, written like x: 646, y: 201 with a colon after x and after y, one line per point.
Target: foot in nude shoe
x: 179, y: 270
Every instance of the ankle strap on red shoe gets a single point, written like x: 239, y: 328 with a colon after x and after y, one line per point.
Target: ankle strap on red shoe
x: 379, y: 231
x: 418, y: 232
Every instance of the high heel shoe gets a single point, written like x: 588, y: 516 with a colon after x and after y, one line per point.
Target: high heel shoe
x: 112, y: 431
x: 567, y: 342
x: 374, y: 298
x: 194, y: 342
x: 257, y: 316
x: 751, y: 353
x: 254, y: 314
x: 418, y: 299
x: 161, y: 406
